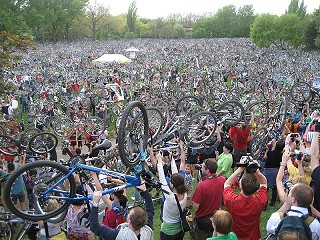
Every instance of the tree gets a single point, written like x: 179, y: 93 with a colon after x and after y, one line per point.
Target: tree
x: 9, y: 44
x: 300, y: 10
x: 245, y: 18
x: 95, y: 12
x: 178, y: 31
x: 225, y: 22
x: 132, y: 17
x: 290, y: 31
x: 311, y: 35
x: 263, y: 30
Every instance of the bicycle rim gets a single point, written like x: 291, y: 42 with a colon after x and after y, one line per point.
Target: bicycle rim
x: 230, y: 113
x: 133, y: 134
x: 200, y: 128
x: 9, y: 146
x: 43, y: 142
x: 5, y: 231
x: 42, y: 175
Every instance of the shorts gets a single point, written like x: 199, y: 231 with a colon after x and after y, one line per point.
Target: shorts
x: 21, y: 196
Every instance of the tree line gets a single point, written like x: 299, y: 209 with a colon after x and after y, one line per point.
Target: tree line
x: 68, y: 20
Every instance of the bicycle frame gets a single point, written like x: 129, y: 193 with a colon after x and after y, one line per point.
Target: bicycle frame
x: 77, y: 167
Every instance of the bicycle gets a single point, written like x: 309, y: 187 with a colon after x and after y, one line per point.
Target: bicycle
x: 56, y: 181
x: 40, y: 143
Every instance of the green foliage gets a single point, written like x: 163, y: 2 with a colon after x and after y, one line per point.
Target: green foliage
x: 263, y: 30
x: 132, y: 17
x: 9, y: 44
x: 311, y: 35
x: 178, y: 31
x: 129, y: 35
x: 227, y: 22
x: 284, y: 31
x: 300, y: 10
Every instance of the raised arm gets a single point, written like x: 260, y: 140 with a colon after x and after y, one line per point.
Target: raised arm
x: 97, y: 183
x: 162, y: 178
x: 315, y: 151
x: 280, y: 188
x: 182, y: 156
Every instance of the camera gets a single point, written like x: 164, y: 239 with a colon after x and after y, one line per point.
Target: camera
x: 198, y: 166
x: 294, y: 135
x: 288, y: 185
x: 297, y: 154
x: 250, y: 166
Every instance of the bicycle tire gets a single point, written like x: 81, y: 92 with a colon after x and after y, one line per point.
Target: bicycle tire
x: 259, y: 109
x: 27, y: 134
x: 63, y: 127
x: 196, y: 129
x: 46, y: 173
x: 230, y: 113
x: 43, y: 142
x: 94, y: 126
x: 258, y: 142
x: 9, y: 146
x: 132, y: 140
x: 186, y: 103
x: 301, y: 92
x: 6, y: 231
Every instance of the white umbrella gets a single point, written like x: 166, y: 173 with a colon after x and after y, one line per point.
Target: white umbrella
x: 119, y: 58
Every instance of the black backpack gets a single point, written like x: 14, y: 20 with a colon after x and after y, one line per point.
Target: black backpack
x: 294, y: 227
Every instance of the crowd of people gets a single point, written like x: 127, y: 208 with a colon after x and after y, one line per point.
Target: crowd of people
x: 221, y: 165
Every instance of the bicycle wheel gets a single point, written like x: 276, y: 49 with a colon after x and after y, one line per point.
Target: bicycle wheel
x: 200, y: 128
x: 259, y: 109
x: 9, y: 146
x: 27, y: 134
x: 301, y: 92
x: 258, y: 142
x: 230, y: 113
x: 186, y: 104
x: 43, y: 142
x: 44, y: 175
x: 132, y: 138
x: 155, y: 120
x: 94, y: 126
x: 6, y: 231
x: 62, y: 126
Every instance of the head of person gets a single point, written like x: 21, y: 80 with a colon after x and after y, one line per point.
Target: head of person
x: 301, y: 195
x: 249, y: 184
x: 52, y: 205
x: 209, y: 166
x: 188, y: 168
x: 243, y: 126
x: 227, y: 148
x: 11, y: 167
x: 279, y: 146
x: 80, y: 192
x: 137, y: 218
x: 118, y: 196
x: 177, y: 183
x: 221, y: 222
x: 78, y: 151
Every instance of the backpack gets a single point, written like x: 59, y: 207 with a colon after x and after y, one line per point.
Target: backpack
x: 294, y: 227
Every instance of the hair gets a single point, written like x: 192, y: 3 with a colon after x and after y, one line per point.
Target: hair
x: 279, y: 146
x: 222, y: 221
x: 299, y: 179
x: 303, y: 194
x: 178, y: 183
x: 138, y: 218
x: 211, y: 164
x: 249, y: 183
x: 11, y: 167
x: 78, y: 151
x: 52, y: 205
x: 120, y: 195
x: 228, y: 145
x: 78, y: 191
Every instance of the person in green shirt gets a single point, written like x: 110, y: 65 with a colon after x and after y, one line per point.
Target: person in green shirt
x: 225, y: 161
x: 222, y: 224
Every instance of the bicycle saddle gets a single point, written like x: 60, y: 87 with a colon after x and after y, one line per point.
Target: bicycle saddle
x: 106, y: 144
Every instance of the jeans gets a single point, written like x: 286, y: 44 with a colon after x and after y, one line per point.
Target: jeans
x: 200, y: 234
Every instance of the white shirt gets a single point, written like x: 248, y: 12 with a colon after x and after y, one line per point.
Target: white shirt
x: 275, y: 219
x: 14, y: 104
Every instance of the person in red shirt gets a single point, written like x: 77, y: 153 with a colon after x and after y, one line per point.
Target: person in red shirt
x: 239, y: 137
x: 246, y: 207
x: 207, y: 199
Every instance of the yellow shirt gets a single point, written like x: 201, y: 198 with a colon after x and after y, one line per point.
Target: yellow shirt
x: 293, y: 171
